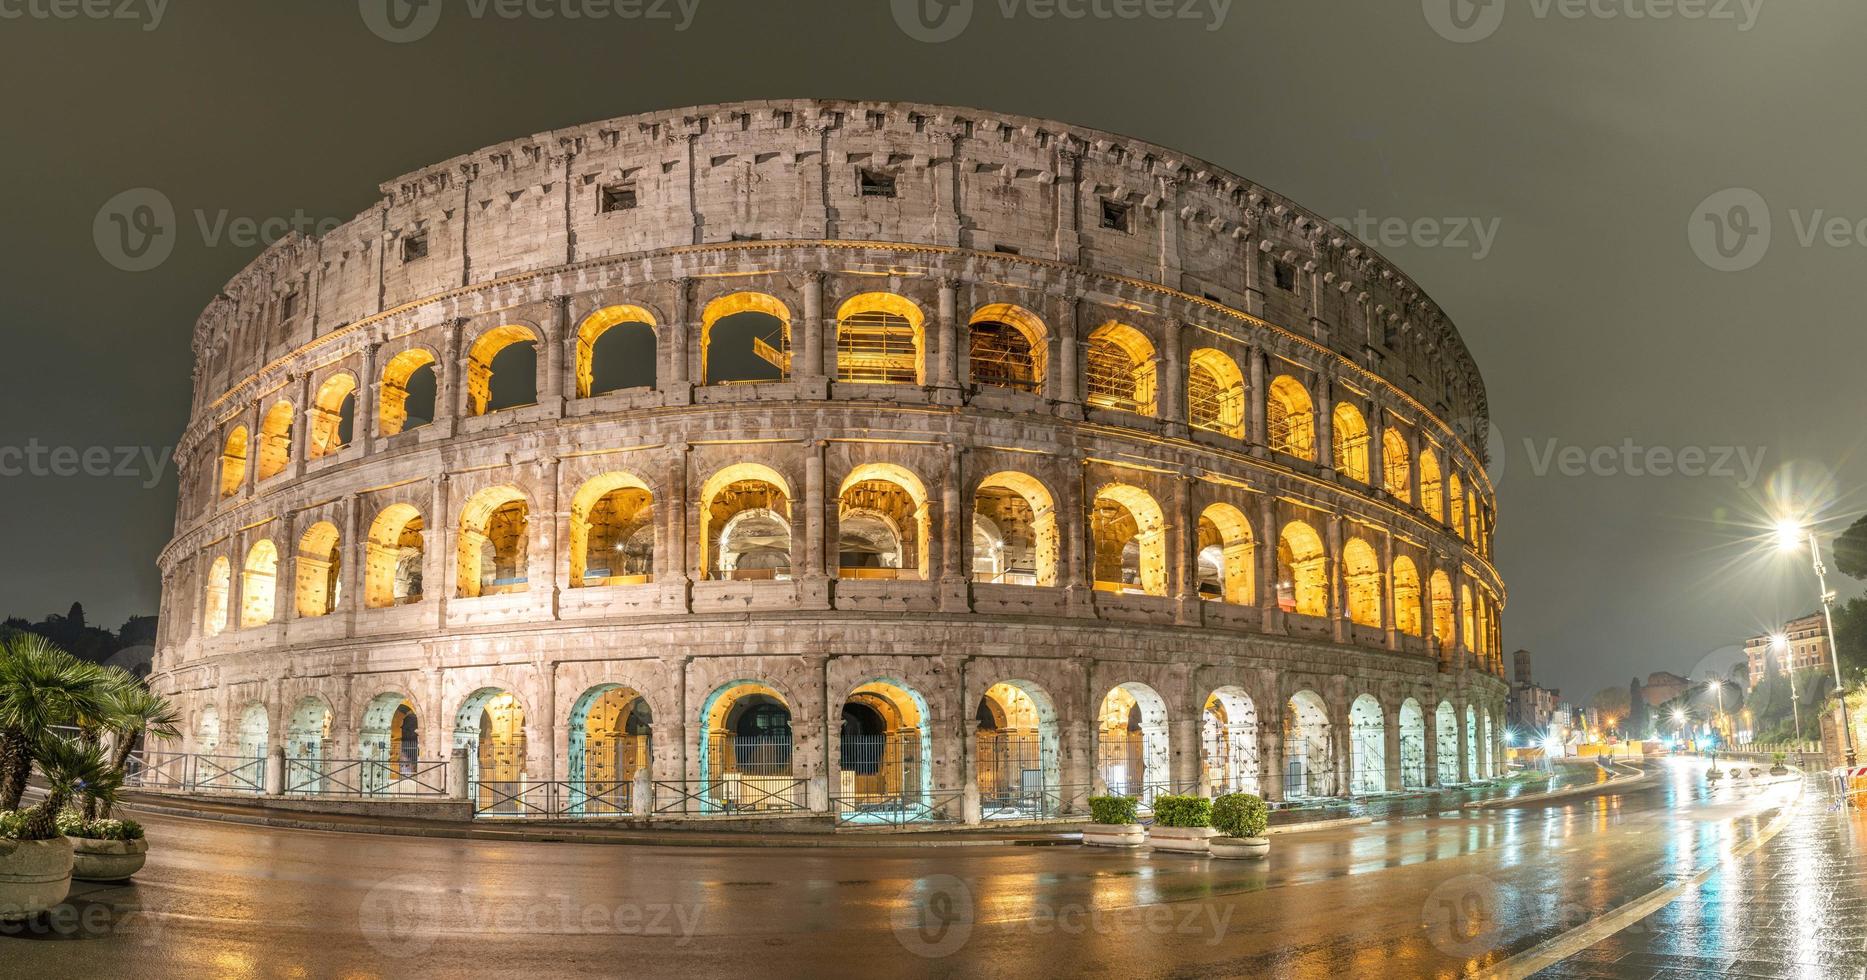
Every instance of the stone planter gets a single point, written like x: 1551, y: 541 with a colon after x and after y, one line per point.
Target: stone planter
x: 107, y: 860
x: 1715, y: 773
x: 1114, y: 834
x: 1184, y: 840
x: 35, y: 875
x: 1241, y: 848
x: 1779, y: 770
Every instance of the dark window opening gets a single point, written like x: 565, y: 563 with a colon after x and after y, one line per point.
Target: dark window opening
x: 1114, y: 215
x: 288, y: 307
x: 1286, y: 275
x: 415, y: 247
x: 618, y: 197
x: 1006, y: 249
x: 875, y: 183
x: 623, y: 357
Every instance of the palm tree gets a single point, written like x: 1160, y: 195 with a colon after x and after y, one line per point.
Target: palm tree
x: 69, y: 767
x: 40, y: 686
x: 133, y: 710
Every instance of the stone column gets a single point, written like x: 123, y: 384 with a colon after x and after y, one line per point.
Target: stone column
x: 1173, y: 380
x: 542, y: 564
x: 1325, y: 424
x: 1256, y: 432
x: 1390, y: 747
x: 1465, y: 753
x: 438, y: 541
x: 1388, y: 621
x: 285, y: 573
x: 300, y: 451
x: 1338, y: 580
x: 1270, y: 534
x: 1432, y: 744
x: 1413, y: 467
x: 1184, y: 744
x: 954, y: 569
x: 369, y: 400
x: 449, y: 395
x: 1069, y: 393
x: 815, y: 528
x: 551, y: 360
x: 674, y: 564
x: 807, y: 366
x: 947, y: 358
x: 1271, y: 751
x: 1377, y: 449
x: 1077, y: 550
x: 682, y: 336
x: 1460, y: 642
x: 356, y: 549
x: 1183, y: 553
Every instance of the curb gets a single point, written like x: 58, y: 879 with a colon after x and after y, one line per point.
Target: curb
x: 1617, y: 783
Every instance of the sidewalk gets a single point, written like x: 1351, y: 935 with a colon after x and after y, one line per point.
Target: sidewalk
x: 1797, y: 907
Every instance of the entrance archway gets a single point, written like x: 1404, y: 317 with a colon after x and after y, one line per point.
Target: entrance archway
x: 1229, y: 741
x: 1367, y: 747
x: 885, y: 750
x: 1446, y: 743
x: 1015, y: 751
x: 1412, y: 745
x: 389, y: 742
x: 490, y: 726
x: 1309, y: 747
x: 207, y: 731
x: 745, y: 750
x: 610, y: 732
x: 306, y: 738
x: 1131, y: 742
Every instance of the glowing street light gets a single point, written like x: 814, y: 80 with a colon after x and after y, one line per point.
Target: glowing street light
x: 1789, y: 533
x: 1780, y: 643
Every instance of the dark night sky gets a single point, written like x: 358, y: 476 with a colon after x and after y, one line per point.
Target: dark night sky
x: 1590, y: 143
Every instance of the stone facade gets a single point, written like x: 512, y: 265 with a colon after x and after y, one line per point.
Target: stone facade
x: 1277, y: 490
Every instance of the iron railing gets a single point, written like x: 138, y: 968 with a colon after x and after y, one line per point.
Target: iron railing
x: 1036, y: 801
x: 897, y: 811
x: 367, y: 778
x: 228, y: 772
x: 732, y: 793
x: 552, y: 799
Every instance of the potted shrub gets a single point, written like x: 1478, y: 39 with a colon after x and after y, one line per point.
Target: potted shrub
x: 1181, y: 823
x: 35, y: 859
x: 1113, y: 823
x: 1241, y: 819
x: 104, y: 850
x: 1777, y: 767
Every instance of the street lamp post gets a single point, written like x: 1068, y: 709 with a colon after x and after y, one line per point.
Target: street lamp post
x: 1780, y: 643
x: 1723, y: 723
x: 1787, y: 534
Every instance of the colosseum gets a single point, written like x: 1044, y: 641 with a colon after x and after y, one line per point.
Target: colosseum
x: 831, y: 458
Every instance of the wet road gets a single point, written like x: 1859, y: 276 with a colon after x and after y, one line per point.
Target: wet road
x: 1435, y: 895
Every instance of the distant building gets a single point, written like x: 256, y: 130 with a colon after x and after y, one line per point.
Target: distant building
x: 1805, y: 647
x: 1662, y: 686
x: 1530, y: 708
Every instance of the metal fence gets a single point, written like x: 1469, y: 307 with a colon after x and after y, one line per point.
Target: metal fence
x: 367, y: 778
x: 552, y: 799
x: 733, y: 793
x: 238, y: 774
x: 898, y: 811
x: 1036, y: 801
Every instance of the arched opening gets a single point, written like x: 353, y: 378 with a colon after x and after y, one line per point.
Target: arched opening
x: 1484, y: 745
x: 255, y: 732
x: 1406, y: 596
x: 1432, y: 499
x: 1455, y: 492
x: 1008, y: 347
x: 1442, y: 616
x: 1016, y: 749
x: 275, y: 440
x: 207, y: 731
x: 1471, y: 744
x: 745, y: 750
x: 1121, y: 369
x: 1290, y: 418
x: 490, y: 726
x: 1446, y: 743
x: 612, y: 532
x: 494, y: 544
x: 393, y: 564
x: 1362, y: 568
x: 1467, y: 618
x: 1229, y: 741
x: 389, y: 743
x: 1367, y: 747
x: 259, y: 585
x: 214, y: 610
x: 1396, y: 468
x: 1215, y: 393
x: 1131, y: 742
x: 882, y: 524
x: 502, y: 370
x: 306, y: 737
x: 1014, y: 531
x: 319, y: 566
x: 615, y: 350
x: 745, y: 337
x: 611, y: 728
x: 879, y: 339
x: 1128, y: 532
x: 1227, y: 556
x: 1309, y: 747
x: 1412, y: 745
x: 745, y: 525
x: 1302, y: 571
x: 885, y: 750
x: 409, y: 388
x: 1349, y: 440
x: 233, y: 462
x: 333, y: 416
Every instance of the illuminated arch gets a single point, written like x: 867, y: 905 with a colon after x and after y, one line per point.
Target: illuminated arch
x: 389, y: 740
x: 493, y: 548
x: 1228, y: 747
x: 1023, y: 514
x: 621, y: 324
x: 1128, y: 535
x: 1122, y: 371
x: 219, y: 584
x: 1412, y: 745
x: 1008, y: 348
x: 1302, y: 571
x: 1016, y: 746
x: 1349, y: 435
x: 1446, y: 743
x: 332, y: 411
x: 1395, y: 463
x: 1367, y: 747
x: 611, y: 740
x: 275, y: 440
x: 612, y: 532
x: 1361, y: 567
x: 1432, y: 498
x: 763, y: 348
x: 488, y: 346
x: 879, y: 340
x: 1455, y: 492
x: 1406, y: 596
x: 745, y: 524
x: 746, y: 743
x: 490, y: 728
x: 394, y: 557
x: 1132, y: 752
x: 393, y: 408
x: 1442, y: 614
x: 319, y: 571
x: 883, y: 524
x: 1215, y: 393
x: 1227, y: 556
x: 259, y: 584
x: 233, y: 461
x: 1467, y: 618
x: 1290, y: 418
x: 885, y: 747
x: 1309, y: 747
